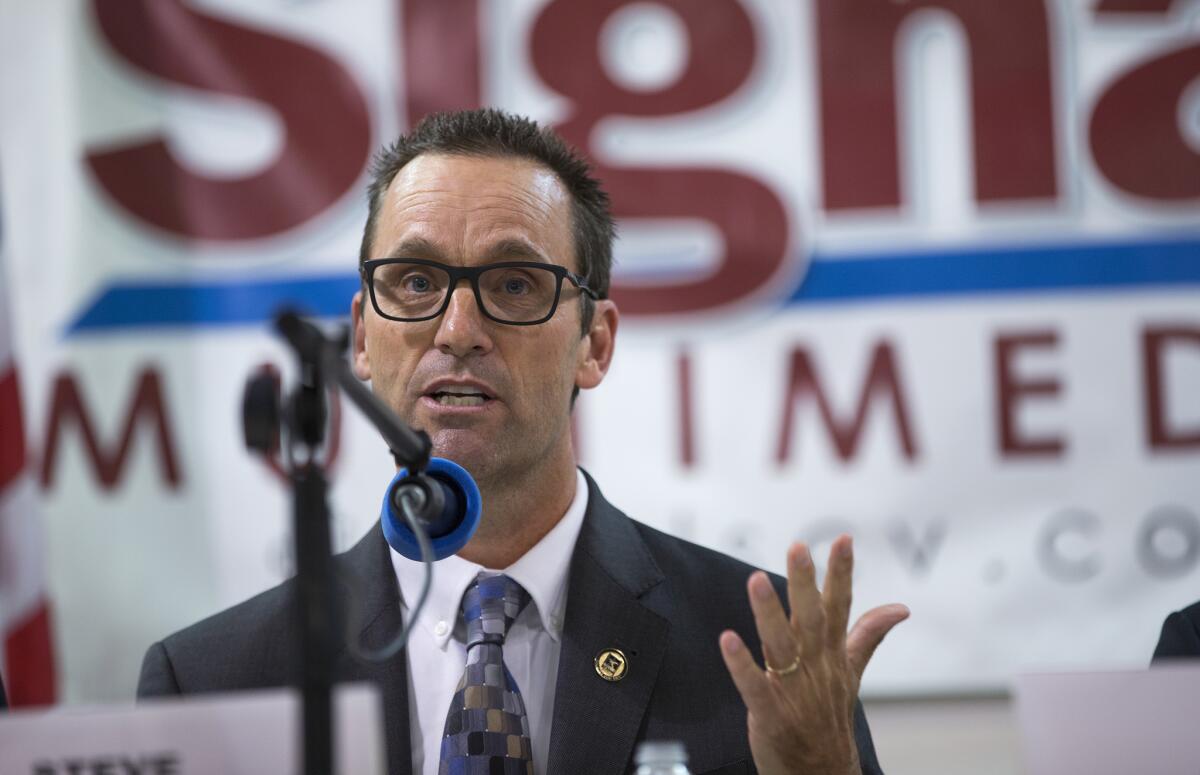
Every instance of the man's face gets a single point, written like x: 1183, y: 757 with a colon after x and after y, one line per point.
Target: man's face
x: 468, y: 211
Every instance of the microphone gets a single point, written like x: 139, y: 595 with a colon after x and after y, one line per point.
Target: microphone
x: 443, y: 499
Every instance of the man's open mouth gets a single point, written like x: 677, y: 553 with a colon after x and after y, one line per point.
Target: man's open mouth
x: 450, y: 397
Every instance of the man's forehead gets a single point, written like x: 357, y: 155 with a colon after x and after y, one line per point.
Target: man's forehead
x: 506, y: 199
x: 477, y: 177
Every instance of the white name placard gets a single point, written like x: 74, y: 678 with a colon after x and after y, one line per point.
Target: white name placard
x: 250, y: 732
x: 1113, y: 723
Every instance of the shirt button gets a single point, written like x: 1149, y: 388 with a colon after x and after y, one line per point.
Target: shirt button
x: 441, y: 629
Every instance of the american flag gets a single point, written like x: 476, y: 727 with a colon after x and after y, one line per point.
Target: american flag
x: 25, y: 641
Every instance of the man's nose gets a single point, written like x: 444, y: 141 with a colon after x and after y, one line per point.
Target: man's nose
x: 463, y: 329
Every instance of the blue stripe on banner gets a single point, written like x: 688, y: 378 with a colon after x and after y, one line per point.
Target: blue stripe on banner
x: 220, y: 303
x: 861, y: 278
x: 1002, y: 271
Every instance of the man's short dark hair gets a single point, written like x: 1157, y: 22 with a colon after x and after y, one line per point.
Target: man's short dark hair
x: 488, y: 132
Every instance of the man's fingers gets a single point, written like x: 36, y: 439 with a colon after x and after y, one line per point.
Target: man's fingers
x: 751, y: 682
x: 774, y: 630
x: 838, y: 579
x: 807, y: 613
x: 868, y: 632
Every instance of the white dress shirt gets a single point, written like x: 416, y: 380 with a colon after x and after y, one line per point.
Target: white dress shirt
x: 437, y: 653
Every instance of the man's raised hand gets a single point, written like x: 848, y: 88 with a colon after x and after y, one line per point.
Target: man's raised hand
x: 800, y: 708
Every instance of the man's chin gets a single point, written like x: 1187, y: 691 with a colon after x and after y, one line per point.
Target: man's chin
x: 470, y: 449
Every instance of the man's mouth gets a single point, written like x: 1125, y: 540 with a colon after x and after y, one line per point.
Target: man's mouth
x: 459, y: 397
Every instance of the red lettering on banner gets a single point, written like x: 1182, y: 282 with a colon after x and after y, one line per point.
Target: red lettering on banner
x: 29, y: 659
x: 327, y: 128
x: 749, y: 215
x: 687, y: 445
x: 12, y: 431
x: 1136, y: 136
x: 147, y: 405
x: 1011, y: 391
x: 1159, y: 433
x: 442, y: 68
x: 882, y: 381
x: 1011, y: 102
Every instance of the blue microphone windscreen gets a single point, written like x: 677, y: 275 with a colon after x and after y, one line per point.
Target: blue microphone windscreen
x: 453, y: 530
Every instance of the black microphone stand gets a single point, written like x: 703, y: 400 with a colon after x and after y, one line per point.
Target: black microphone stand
x: 303, y: 417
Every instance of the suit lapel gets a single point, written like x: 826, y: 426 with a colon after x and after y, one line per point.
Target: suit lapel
x: 369, y: 567
x: 596, y: 722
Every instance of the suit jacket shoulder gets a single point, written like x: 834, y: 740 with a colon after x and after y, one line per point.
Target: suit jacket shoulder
x: 1180, y: 635
x: 256, y: 644
x: 248, y: 646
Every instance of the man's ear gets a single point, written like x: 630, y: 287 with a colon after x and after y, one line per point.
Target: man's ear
x: 596, y: 350
x: 361, y: 361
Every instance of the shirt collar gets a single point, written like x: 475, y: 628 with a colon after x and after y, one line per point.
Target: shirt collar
x: 542, y: 571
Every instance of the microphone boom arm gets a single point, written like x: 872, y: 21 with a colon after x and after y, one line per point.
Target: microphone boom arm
x: 411, y: 449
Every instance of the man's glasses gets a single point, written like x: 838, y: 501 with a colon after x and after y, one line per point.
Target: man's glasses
x: 519, y: 293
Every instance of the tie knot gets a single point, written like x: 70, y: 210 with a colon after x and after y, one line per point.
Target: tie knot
x: 490, y: 606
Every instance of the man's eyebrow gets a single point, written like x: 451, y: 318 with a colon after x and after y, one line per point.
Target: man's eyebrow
x: 415, y: 247
x: 516, y: 250
x: 509, y: 249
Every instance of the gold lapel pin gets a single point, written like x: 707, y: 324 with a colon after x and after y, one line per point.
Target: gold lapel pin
x: 612, y: 664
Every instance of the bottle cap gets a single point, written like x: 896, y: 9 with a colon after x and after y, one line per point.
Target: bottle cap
x: 660, y: 752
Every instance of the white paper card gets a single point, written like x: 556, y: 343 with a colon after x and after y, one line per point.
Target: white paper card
x: 1111, y: 723
x: 234, y: 734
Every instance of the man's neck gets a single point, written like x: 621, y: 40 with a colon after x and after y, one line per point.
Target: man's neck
x: 518, y: 514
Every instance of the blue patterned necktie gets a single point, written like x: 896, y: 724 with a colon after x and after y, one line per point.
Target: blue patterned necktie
x: 487, y: 731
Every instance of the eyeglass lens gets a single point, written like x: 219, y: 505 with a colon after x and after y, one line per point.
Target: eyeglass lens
x: 513, y: 294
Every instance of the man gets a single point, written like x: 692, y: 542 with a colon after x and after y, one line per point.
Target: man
x: 484, y: 308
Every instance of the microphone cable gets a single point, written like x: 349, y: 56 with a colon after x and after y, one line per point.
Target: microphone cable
x: 356, y: 616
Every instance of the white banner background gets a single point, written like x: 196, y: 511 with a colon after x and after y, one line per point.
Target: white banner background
x: 1009, y: 562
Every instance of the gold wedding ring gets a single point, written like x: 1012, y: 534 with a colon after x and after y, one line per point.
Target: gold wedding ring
x: 781, y: 671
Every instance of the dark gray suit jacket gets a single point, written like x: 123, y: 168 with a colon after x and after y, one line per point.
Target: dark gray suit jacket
x: 1180, y: 635
x: 659, y: 599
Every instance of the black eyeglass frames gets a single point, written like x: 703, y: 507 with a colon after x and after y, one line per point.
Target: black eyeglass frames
x: 519, y: 293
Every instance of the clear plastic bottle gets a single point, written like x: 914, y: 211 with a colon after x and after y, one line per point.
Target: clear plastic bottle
x: 661, y: 757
